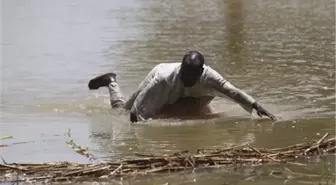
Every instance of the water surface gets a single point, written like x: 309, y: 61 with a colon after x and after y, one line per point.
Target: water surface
x: 282, y: 53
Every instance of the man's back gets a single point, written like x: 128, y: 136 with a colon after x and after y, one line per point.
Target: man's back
x: 170, y: 71
x: 179, y: 100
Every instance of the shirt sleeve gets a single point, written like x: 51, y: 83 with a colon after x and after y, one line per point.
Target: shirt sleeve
x: 225, y: 89
x: 151, y: 98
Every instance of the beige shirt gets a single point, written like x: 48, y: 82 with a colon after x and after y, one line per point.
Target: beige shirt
x: 163, y: 86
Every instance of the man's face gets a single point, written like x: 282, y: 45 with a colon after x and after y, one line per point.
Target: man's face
x: 190, y: 75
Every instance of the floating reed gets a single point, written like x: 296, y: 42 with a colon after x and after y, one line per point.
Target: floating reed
x: 244, y: 155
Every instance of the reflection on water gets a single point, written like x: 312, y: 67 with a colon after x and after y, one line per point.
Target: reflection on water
x: 235, y: 15
x: 282, y: 53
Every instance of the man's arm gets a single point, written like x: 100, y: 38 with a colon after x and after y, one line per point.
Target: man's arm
x: 129, y: 103
x: 150, y: 99
x: 214, y: 80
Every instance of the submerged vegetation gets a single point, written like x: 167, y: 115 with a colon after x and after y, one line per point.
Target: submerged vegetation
x: 242, y: 156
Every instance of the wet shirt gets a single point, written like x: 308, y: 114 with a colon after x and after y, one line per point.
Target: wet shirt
x: 163, y: 86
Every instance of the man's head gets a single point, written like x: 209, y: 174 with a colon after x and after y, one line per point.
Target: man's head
x: 191, y: 68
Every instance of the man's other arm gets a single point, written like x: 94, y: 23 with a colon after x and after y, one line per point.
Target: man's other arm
x: 213, y: 79
x: 150, y: 99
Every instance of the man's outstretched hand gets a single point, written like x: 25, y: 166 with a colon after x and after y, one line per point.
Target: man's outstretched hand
x: 262, y: 112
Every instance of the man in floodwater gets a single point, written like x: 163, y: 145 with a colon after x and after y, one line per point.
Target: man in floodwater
x: 177, y: 88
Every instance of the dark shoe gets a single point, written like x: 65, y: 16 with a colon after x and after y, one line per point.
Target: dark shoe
x: 102, y: 81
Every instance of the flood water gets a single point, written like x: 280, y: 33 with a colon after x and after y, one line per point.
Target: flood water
x: 280, y: 52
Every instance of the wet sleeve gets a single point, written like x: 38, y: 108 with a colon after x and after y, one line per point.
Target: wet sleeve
x: 151, y: 98
x: 225, y: 89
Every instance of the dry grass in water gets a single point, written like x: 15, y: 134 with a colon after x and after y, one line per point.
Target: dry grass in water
x: 244, y: 155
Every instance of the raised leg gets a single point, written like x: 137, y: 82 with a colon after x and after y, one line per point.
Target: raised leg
x: 109, y: 80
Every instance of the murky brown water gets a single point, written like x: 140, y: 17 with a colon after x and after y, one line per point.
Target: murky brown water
x: 281, y: 52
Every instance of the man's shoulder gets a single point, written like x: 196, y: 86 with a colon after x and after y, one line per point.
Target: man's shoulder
x: 168, y: 65
x: 208, y: 67
x: 166, y: 68
x: 166, y: 72
x: 211, y: 73
x: 209, y: 70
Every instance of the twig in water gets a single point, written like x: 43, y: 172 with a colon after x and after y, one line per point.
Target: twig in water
x: 79, y: 149
x: 6, y: 137
x: 114, y: 171
x: 14, y: 167
x: 3, y: 160
x: 317, y: 145
x: 144, y: 155
x: 332, y: 149
x: 262, y: 155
